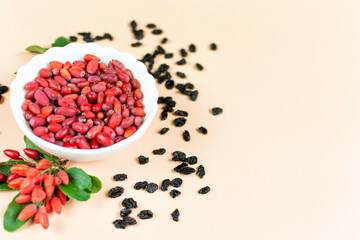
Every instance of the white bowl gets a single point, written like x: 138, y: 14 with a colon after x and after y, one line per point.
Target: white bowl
x: 72, y: 52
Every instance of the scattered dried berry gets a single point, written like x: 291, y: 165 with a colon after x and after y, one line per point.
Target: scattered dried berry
x: 169, y: 55
x: 170, y: 84
x: 181, y: 62
x: 164, y: 40
x: 116, y: 192
x: 151, y: 187
x: 181, y: 113
x: 164, y: 130
x: 203, y: 130
x: 199, y: 66
x: 192, y: 48
x: 159, y: 151
x: 187, y: 170
x: 175, y: 215
x: 73, y: 38
x: 140, y: 185
x: 192, y: 160
x: 183, y: 52
x: 129, y: 220
x: 118, y: 223
x: 137, y: 44
x: 204, y: 190
x: 151, y: 25
x: 181, y: 74
x: 194, y: 95
x: 179, y: 122
x: 201, y: 171
x: 186, y: 135
x: 176, y: 182
x: 213, y: 46
x: 120, y: 177
x: 3, y: 89
x: 143, y: 160
x: 179, y: 156
x: 139, y: 34
x: 165, y: 185
x: 180, y: 167
x: 157, y: 31
x: 216, y: 111
x: 129, y: 203
x: 125, y: 212
x: 164, y: 115
x: 174, y: 193
x: 145, y: 214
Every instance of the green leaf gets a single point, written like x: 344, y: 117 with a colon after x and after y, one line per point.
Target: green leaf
x: 36, y: 49
x: 4, y: 187
x: 30, y: 144
x: 75, y: 192
x: 60, y: 42
x: 95, y: 185
x: 78, y: 177
x: 11, y: 222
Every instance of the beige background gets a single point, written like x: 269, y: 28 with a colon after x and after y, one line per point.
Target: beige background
x: 283, y: 159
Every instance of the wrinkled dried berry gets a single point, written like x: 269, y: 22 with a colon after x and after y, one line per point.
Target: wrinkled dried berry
x: 165, y: 185
x: 203, y: 130
x: 151, y: 25
x: 194, y: 95
x: 129, y: 203
x: 187, y: 170
x: 160, y: 50
x: 137, y: 44
x: 129, y: 220
x: 159, y: 151
x: 164, y: 40
x: 192, y: 48
x: 164, y: 115
x: 164, y: 130
x: 199, y: 66
x: 204, y: 190
x: 120, y: 177
x: 180, y: 167
x: 116, y: 192
x: 73, y: 38
x: 175, y: 215
x: 192, y: 160
x: 181, y: 62
x: 157, y: 31
x: 133, y: 24
x: 186, y: 135
x: 163, y: 68
x: 179, y: 122
x: 125, y: 212
x: 200, y: 171
x: 169, y: 55
x: 176, y: 182
x: 183, y: 52
x: 160, y: 100
x: 3, y: 89
x: 143, y: 160
x: 170, y: 84
x: 118, y: 223
x: 213, y: 46
x: 179, y: 156
x: 181, y: 113
x: 145, y: 214
x: 139, y: 34
x: 174, y: 193
x: 151, y: 187
x: 181, y: 75
x: 140, y: 185
x: 216, y: 111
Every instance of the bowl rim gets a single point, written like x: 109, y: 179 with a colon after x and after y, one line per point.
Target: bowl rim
x: 16, y: 83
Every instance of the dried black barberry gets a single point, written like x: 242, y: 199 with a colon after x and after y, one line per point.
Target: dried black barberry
x: 164, y: 40
x: 164, y: 115
x: 180, y: 167
x: 181, y: 113
x: 181, y: 74
x: 179, y: 156
x: 133, y: 24
x: 159, y: 151
x: 174, y: 193
x: 125, y: 212
x: 151, y: 187
x: 108, y: 36
x: 192, y: 160
x: 160, y: 100
x: 129, y: 220
x: 200, y: 171
x: 145, y: 214
x: 216, y: 111
x: 199, y: 66
x: 139, y: 34
x: 183, y: 52
x: 203, y: 130
x: 187, y: 170
x: 192, y: 48
x: 194, y: 95
x: 170, y: 84
x: 176, y: 182
x: 213, y: 46
x: 3, y: 89
x: 140, y: 185
x: 165, y: 185
x: 116, y: 192
x: 129, y: 203
x: 179, y: 122
x: 120, y: 177
x: 151, y: 25
x: 73, y: 38
x: 118, y: 223
x: 157, y: 31
x: 137, y: 44
x: 163, y: 68
x: 169, y: 55
x: 175, y: 215
x: 143, y: 160
x: 204, y: 190
x: 164, y: 130
x: 168, y: 108
x: 181, y: 62
x: 160, y: 50
x: 186, y: 135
